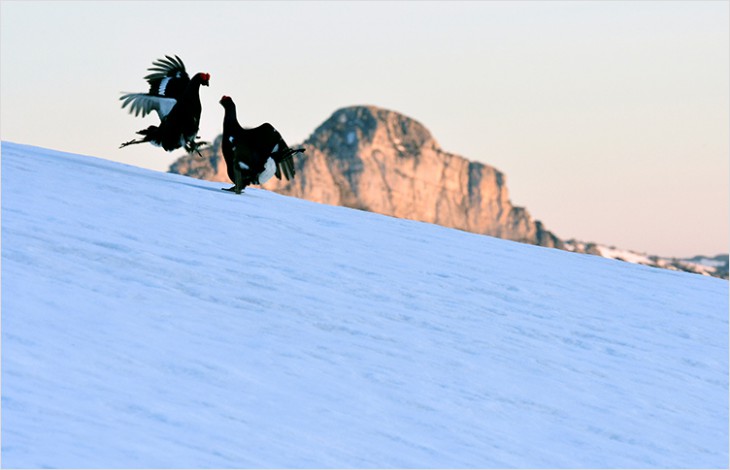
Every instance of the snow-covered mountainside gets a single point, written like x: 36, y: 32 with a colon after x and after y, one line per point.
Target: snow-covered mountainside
x: 152, y: 320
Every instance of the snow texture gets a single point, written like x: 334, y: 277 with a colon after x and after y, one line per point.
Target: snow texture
x: 153, y: 320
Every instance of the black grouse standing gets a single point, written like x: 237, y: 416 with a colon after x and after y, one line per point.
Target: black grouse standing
x: 253, y: 156
x: 175, y: 98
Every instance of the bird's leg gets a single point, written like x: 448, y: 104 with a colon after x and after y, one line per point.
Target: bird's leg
x: 193, y: 147
x: 239, y: 179
x: 131, y: 142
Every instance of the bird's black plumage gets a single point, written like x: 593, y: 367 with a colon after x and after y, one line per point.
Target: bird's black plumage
x: 253, y: 155
x: 175, y: 97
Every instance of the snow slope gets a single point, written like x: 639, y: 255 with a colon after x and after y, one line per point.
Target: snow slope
x: 152, y: 320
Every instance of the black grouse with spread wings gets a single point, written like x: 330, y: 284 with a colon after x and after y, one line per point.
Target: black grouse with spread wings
x: 175, y: 98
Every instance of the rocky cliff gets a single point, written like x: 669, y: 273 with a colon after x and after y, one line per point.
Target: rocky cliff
x: 382, y: 161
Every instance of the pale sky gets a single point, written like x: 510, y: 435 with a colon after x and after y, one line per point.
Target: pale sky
x: 611, y: 120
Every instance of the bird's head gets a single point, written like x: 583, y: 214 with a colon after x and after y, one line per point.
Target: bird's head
x: 226, y: 101
x: 204, y: 78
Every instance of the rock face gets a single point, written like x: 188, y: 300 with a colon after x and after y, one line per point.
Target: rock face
x: 211, y: 167
x: 378, y: 160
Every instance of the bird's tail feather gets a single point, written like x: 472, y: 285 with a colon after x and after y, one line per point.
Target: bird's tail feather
x: 286, y: 161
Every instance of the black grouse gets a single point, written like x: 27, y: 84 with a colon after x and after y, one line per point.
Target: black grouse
x: 175, y: 98
x: 253, y: 156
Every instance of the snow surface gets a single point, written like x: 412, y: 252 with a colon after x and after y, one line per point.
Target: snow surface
x: 625, y: 255
x: 153, y: 320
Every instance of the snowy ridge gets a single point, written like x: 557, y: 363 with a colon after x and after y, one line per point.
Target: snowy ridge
x: 717, y: 266
x: 715, y: 262
x: 152, y: 320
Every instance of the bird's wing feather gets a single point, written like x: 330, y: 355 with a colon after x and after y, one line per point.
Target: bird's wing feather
x: 142, y: 103
x: 168, y: 77
x: 167, y: 67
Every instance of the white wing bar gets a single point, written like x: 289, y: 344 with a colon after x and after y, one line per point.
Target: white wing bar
x: 141, y: 103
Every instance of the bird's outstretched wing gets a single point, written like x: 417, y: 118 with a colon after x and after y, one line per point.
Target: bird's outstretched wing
x: 168, y: 77
x: 143, y: 103
x: 166, y: 67
x: 167, y: 81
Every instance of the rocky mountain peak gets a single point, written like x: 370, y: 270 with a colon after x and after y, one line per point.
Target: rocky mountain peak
x: 354, y: 126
